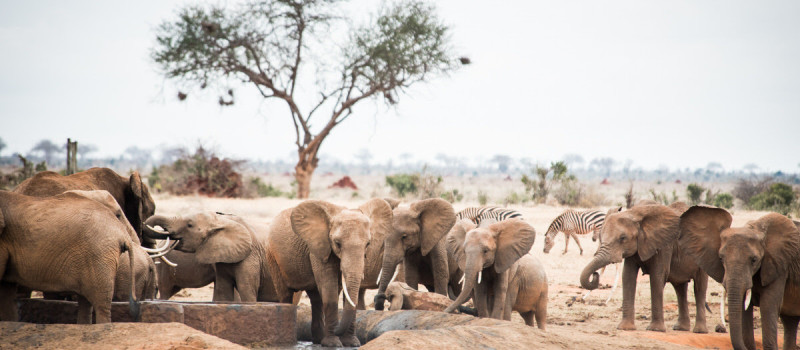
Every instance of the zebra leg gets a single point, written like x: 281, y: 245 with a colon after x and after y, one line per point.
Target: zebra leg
x: 566, y: 242
x: 575, y: 237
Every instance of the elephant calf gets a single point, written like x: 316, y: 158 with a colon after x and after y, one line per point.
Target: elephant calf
x: 188, y: 274
x: 527, y: 292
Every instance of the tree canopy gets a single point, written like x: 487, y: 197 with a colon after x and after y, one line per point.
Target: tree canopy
x: 270, y: 44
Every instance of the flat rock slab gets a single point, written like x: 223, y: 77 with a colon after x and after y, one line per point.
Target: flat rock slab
x: 18, y: 335
x: 250, y: 324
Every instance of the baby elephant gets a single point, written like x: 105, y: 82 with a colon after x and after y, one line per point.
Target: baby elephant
x: 527, y: 292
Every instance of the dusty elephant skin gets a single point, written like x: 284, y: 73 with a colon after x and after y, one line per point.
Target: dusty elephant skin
x: 64, y: 243
x: 315, y: 246
x: 416, y: 240
x: 759, y: 260
x: 131, y: 193
x: 188, y: 274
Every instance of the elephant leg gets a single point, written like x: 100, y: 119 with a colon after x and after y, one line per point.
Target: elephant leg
x: 578, y: 242
x: 223, y: 287
x: 528, y: 317
x: 247, y: 285
x: 8, y: 304
x: 700, y: 288
x: 748, y: 333
x: 316, y: 316
x: 441, y: 273
x: 480, y: 297
x: 84, y: 310
x: 500, y: 292
x: 657, y: 279
x: 770, y: 301
x: 165, y: 282
x: 629, y: 273
x: 411, y: 262
x: 511, y: 299
x: 100, y: 298
x: 681, y: 290
x: 541, y: 312
x: 789, y: 332
x: 361, y: 304
x: 328, y: 277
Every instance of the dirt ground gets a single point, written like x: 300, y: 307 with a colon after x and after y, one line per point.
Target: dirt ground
x: 568, y: 315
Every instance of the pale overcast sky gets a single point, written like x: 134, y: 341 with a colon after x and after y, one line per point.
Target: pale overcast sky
x: 675, y: 83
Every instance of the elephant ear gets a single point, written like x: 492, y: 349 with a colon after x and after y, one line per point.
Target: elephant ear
x: 436, y: 218
x: 613, y: 211
x: 380, y: 217
x: 514, y: 239
x: 135, y: 208
x: 700, y: 230
x: 659, y: 227
x: 392, y: 202
x: 645, y: 202
x: 311, y: 220
x: 455, y: 242
x: 226, y: 241
x: 2, y: 223
x: 782, y: 243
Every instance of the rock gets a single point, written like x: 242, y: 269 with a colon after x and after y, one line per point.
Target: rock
x: 412, y: 299
x: 253, y: 325
x: 18, y: 335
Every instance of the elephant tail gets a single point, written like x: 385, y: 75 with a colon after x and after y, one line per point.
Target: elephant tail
x: 134, y: 304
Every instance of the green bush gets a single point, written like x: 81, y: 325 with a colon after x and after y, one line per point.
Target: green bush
x: 778, y: 197
x: 723, y: 200
x: 403, y: 184
x: 452, y: 196
x: 200, y: 173
x: 570, y: 192
x: 515, y: 198
x: 695, y: 192
x: 264, y: 190
x: 482, y: 198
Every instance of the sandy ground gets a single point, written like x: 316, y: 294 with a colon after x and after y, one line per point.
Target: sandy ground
x: 568, y: 315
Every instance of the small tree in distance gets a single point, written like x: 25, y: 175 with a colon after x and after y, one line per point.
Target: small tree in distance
x: 266, y: 45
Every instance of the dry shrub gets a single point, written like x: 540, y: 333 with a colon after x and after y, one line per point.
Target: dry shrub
x: 199, y: 173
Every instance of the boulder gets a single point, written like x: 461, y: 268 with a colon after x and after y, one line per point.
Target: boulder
x: 404, y: 297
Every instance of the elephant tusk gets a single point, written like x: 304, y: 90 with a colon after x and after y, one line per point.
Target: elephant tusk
x: 379, y: 276
x: 346, y: 294
x: 157, y: 249
x: 480, y: 273
x: 170, y: 263
x: 617, y: 273
x: 461, y: 281
x: 722, y: 308
x: 396, y: 270
x: 159, y: 230
x: 164, y: 252
x: 746, y: 299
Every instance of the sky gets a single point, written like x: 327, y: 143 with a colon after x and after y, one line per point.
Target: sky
x: 676, y: 84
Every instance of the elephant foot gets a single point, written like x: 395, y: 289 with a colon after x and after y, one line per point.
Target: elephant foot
x: 657, y: 327
x: 626, y: 326
x: 700, y: 328
x: 681, y: 326
x: 350, y: 341
x: 331, y: 341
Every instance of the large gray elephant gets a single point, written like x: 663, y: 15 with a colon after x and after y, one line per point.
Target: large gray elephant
x: 188, y: 273
x: 229, y: 244
x: 416, y: 241
x: 130, y: 193
x: 63, y: 243
x: 762, y: 257
x: 486, y: 254
x: 644, y: 237
x: 320, y: 247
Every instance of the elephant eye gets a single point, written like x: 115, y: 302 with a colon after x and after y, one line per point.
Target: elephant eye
x: 189, y: 225
x: 338, y: 244
x: 622, y: 239
x: 753, y: 260
x: 485, y: 250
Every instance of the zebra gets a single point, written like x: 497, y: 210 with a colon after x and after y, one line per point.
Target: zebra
x: 498, y: 214
x: 574, y: 223
x: 472, y: 213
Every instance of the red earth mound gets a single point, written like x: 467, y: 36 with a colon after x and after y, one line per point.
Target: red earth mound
x: 345, y: 182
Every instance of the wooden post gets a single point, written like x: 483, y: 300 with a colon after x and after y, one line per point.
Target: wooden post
x: 72, y: 157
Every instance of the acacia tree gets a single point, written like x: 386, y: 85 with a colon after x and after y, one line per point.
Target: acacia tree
x: 270, y: 44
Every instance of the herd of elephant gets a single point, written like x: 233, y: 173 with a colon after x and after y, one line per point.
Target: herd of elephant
x: 67, y: 234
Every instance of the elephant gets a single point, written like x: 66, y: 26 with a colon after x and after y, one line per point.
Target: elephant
x: 131, y: 193
x: 493, y: 248
x: 188, y: 274
x: 228, y: 243
x: 63, y: 243
x: 416, y: 240
x: 643, y: 237
x: 527, y: 291
x: 758, y: 260
x: 314, y: 246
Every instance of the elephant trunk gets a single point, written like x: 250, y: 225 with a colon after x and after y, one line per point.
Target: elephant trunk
x: 388, y: 272
x: 600, y: 260
x: 736, y: 290
x: 157, y: 220
x: 470, y: 280
x: 352, y: 274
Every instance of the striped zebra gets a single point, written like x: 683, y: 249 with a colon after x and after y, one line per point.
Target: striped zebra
x: 498, y: 215
x: 476, y: 214
x: 573, y: 223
